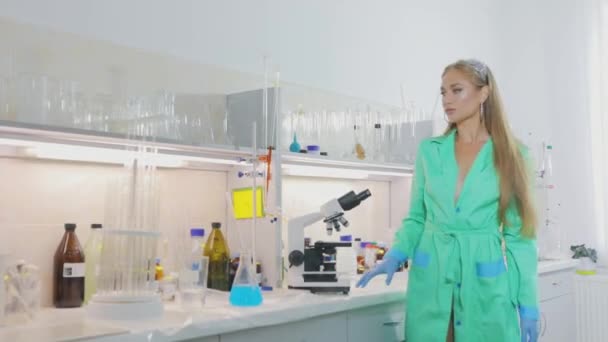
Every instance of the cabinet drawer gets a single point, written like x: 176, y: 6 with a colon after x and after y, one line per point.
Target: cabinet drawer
x: 377, y: 323
x: 556, y: 318
x: 322, y: 328
x: 555, y: 284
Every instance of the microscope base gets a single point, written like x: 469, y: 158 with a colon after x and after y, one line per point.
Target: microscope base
x: 323, y: 289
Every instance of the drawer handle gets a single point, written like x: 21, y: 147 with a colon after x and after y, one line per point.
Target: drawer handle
x: 391, y: 324
x: 543, y: 324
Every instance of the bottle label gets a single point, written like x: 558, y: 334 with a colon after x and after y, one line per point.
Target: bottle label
x: 73, y: 270
x: 196, y: 265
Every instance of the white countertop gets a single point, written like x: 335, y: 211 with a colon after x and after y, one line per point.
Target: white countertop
x: 218, y: 317
x: 547, y: 266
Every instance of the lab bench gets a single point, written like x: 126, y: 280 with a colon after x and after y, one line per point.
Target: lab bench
x: 375, y: 313
x: 285, y: 315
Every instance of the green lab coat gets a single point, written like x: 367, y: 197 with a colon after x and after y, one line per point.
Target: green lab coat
x: 456, y: 254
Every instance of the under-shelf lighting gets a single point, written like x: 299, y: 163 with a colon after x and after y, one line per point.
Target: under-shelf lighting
x: 72, y: 152
x: 103, y: 155
x: 332, y: 172
x: 328, y: 172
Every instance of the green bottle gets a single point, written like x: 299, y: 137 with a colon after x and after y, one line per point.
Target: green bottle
x: 217, y: 250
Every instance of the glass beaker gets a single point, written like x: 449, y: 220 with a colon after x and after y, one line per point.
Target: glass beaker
x: 193, y: 284
x: 245, y: 289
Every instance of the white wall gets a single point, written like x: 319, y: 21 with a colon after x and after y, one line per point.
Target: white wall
x: 367, y: 49
x: 544, y: 63
x: 568, y: 111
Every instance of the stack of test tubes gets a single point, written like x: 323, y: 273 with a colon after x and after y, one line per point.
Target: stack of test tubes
x: 126, y: 285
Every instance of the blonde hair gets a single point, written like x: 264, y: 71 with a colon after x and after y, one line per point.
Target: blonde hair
x: 509, y: 162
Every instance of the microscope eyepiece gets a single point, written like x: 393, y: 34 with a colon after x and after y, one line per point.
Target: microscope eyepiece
x: 351, y: 200
x: 363, y: 195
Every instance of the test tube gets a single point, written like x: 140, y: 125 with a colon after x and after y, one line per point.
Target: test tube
x: 254, y: 199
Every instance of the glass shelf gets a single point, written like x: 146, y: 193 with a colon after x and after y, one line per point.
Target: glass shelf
x: 30, y: 137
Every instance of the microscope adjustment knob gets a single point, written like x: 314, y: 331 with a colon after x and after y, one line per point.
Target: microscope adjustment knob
x: 296, y: 258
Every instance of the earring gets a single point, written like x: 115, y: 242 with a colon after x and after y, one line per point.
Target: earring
x: 481, y: 117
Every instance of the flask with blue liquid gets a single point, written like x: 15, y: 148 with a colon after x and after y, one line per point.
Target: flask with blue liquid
x: 245, y: 289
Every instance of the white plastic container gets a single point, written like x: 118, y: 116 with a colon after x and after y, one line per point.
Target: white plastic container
x: 193, y: 275
x: 346, y: 259
x: 313, y: 150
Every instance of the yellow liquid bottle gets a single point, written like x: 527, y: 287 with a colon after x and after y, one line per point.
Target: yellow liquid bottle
x: 217, y: 250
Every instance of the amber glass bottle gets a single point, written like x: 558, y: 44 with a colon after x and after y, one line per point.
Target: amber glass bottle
x: 68, y: 271
x: 217, y: 250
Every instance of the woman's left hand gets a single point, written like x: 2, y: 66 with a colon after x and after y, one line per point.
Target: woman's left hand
x: 529, y: 330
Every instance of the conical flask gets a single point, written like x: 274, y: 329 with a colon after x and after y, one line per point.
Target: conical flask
x: 245, y: 289
x: 295, y: 145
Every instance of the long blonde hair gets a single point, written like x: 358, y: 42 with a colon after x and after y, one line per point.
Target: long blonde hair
x: 509, y: 162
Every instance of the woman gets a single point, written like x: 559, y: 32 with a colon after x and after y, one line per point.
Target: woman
x: 470, y: 194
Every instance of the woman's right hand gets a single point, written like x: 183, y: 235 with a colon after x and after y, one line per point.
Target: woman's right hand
x: 388, y: 266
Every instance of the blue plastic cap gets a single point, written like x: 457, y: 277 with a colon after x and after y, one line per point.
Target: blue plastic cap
x: 346, y: 238
x: 197, y: 232
x: 313, y: 148
x: 266, y: 288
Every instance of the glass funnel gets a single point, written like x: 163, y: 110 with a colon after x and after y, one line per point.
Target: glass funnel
x: 245, y: 289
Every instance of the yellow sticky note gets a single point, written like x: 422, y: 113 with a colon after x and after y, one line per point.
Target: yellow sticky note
x: 242, y: 203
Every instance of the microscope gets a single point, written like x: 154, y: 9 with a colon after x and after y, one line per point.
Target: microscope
x: 313, y: 267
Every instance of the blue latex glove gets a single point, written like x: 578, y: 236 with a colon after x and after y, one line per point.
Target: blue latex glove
x: 528, y: 323
x: 389, y: 265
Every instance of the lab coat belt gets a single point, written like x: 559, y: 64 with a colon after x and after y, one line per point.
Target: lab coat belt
x: 461, y: 231
x: 455, y: 266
